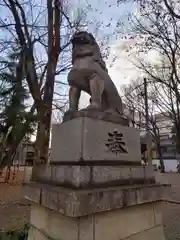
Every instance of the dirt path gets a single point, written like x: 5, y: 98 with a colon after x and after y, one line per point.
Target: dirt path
x: 171, y: 212
x: 14, y: 211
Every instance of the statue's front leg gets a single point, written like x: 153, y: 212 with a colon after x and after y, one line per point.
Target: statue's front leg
x: 96, y: 89
x: 74, y: 96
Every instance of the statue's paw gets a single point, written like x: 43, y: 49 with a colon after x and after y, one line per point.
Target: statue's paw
x: 68, y: 115
x: 111, y: 111
x: 68, y: 112
x: 89, y: 107
x: 93, y: 107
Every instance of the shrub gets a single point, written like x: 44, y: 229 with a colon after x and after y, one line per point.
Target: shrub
x: 20, y: 234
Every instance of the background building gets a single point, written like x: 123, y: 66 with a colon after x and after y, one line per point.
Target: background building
x: 167, y: 145
x: 25, y: 154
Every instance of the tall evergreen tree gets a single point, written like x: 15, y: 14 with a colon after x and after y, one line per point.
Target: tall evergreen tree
x: 13, y: 110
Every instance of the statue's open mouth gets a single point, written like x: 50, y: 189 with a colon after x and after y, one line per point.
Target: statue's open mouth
x: 79, y: 39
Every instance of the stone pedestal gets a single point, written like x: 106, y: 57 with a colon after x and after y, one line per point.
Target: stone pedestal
x: 135, y: 223
x: 95, y: 186
x: 86, y: 140
x: 128, y: 212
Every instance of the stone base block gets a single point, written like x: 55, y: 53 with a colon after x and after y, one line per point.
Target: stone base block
x: 93, y: 176
x: 78, y: 203
x: 86, y: 139
x: 97, y: 115
x: 140, y: 222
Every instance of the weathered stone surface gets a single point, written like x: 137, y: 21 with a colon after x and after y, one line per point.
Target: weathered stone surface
x: 153, y: 233
x: 87, y: 227
x: 97, y: 114
x: 123, y: 223
x: 132, y: 223
x: 74, y: 203
x: 66, y: 143
x: 86, y: 139
x: 93, y: 176
x: 35, y: 233
x: 149, y: 171
x: 47, y: 224
x: 158, y: 210
x: 34, y: 192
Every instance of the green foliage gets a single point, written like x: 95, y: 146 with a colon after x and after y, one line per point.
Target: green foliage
x: 12, y: 93
x: 21, y: 234
x: 13, y: 108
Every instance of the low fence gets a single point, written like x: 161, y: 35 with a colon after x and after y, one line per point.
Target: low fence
x: 170, y: 164
x: 15, y: 174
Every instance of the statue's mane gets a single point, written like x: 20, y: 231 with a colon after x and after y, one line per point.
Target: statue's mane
x: 84, y: 38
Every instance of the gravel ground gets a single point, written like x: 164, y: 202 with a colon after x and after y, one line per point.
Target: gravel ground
x: 14, y: 211
x: 171, y: 212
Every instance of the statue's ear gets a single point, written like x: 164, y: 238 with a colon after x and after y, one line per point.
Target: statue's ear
x: 91, y: 39
x: 73, y: 37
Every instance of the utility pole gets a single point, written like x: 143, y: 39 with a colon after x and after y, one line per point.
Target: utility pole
x: 146, y: 105
x: 148, y: 136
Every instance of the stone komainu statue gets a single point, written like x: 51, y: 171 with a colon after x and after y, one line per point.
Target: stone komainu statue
x: 89, y: 74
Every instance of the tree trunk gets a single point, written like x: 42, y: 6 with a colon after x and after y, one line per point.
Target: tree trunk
x: 178, y: 152
x: 43, y: 105
x: 157, y: 140
x: 43, y: 135
x: 158, y: 147
x: 45, y: 112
